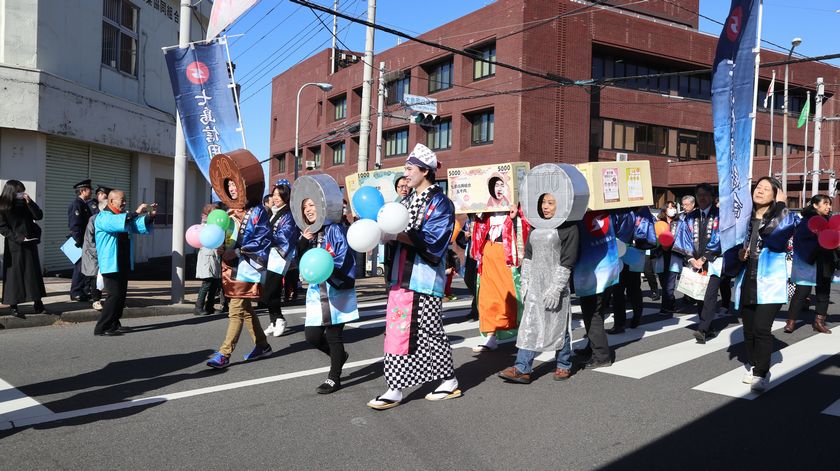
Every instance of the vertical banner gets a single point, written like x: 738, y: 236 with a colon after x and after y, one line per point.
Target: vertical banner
x: 204, y: 99
x: 733, y: 102
x: 224, y: 13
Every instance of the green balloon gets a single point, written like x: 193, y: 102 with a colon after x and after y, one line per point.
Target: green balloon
x: 218, y: 217
x: 316, y: 265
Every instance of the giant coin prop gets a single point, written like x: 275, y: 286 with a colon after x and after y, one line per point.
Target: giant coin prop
x: 565, y: 183
x: 241, y: 168
x: 324, y: 192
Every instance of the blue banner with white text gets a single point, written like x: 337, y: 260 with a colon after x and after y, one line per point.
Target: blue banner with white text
x: 733, y: 99
x: 204, y: 99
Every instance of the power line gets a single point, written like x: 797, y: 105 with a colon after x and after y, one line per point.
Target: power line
x: 265, y: 15
x: 266, y: 34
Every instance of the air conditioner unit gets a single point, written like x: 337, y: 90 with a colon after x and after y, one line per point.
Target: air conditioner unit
x: 310, y: 164
x: 621, y: 157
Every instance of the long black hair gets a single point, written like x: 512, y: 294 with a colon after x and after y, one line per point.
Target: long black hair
x: 811, y: 210
x: 775, y: 212
x: 9, y: 194
x: 285, y: 192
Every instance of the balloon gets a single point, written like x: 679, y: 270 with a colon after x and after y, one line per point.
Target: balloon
x: 363, y: 235
x: 622, y: 248
x: 829, y: 239
x: 816, y: 224
x: 211, y: 236
x: 316, y: 265
x: 392, y: 218
x: 192, y: 235
x: 367, y: 201
x: 456, y: 231
x: 218, y: 217
x: 666, y: 239
x: 834, y: 222
x: 660, y: 227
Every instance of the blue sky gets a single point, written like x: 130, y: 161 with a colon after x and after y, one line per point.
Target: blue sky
x: 279, y: 34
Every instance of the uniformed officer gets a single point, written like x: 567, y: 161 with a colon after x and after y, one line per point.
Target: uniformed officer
x: 101, y: 200
x: 78, y: 215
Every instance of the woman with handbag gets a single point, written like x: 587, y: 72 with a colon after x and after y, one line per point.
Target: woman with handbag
x: 761, y: 286
x: 22, y: 278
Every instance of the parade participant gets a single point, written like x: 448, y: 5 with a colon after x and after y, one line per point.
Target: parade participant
x: 284, y: 238
x: 464, y: 241
x: 23, y: 280
x: 498, y: 243
x: 812, y: 266
x: 667, y: 263
x: 238, y: 180
x: 78, y: 216
x: 417, y: 349
x: 115, y: 255
x: 550, y: 255
x: 688, y: 203
x: 498, y: 197
x: 698, y: 241
x: 761, y: 286
x: 208, y: 269
x: 402, y: 187
x: 332, y: 303
x: 90, y: 263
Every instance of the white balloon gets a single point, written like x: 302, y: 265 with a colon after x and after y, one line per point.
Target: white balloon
x: 363, y: 235
x: 622, y: 248
x: 392, y: 218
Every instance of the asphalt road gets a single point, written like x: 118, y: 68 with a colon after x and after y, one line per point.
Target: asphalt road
x: 146, y: 400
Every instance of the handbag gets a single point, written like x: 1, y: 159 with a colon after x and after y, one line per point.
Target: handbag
x: 398, y: 320
x: 693, y: 284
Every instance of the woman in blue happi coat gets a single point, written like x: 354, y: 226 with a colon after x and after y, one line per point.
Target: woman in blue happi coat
x: 761, y: 286
x: 331, y: 304
x: 667, y: 263
x: 812, y: 266
x: 284, y: 238
x: 630, y: 278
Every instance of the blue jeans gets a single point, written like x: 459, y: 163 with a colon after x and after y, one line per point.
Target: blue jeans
x: 525, y: 358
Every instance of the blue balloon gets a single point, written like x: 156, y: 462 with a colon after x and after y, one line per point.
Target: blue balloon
x: 316, y: 265
x: 367, y: 201
x: 212, y: 236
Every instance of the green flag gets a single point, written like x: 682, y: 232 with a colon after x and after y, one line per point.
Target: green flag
x: 803, y: 116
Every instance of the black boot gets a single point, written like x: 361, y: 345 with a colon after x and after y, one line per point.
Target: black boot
x: 16, y: 312
x: 201, y: 302
x: 39, y: 307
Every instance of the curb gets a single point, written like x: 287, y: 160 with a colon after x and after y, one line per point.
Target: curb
x: 91, y: 315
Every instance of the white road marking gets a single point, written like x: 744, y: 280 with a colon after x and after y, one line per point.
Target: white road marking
x: 15, y: 405
x: 785, y: 364
x: 833, y: 409
x: 646, y: 364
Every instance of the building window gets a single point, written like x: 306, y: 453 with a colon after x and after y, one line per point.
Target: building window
x: 316, y: 156
x: 396, y: 89
x: 298, y: 161
x: 440, y: 76
x: 483, y: 69
x: 338, y: 153
x: 439, y: 136
x: 340, y: 107
x: 483, y: 125
x: 119, y: 36
x: 164, y: 190
x: 281, y: 163
x: 653, y: 140
x: 697, y: 86
x: 396, y: 142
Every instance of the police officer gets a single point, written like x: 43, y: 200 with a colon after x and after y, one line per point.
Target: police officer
x: 78, y: 215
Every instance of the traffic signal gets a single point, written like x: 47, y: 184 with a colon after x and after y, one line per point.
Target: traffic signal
x: 425, y: 119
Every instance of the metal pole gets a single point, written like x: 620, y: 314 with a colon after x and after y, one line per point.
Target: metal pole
x: 784, y: 132
x: 179, y: 196
x: 805, y: 160
x: 757, y: 50
x: 772, y: 112
x: 364, y: 128
x: 297, y: 128
x: 334, y: 33
x: 232, y: 86
x: 380, y: 108
x: 815, y: 177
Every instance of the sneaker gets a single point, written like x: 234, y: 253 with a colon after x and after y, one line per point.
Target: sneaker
x: 760, y: 384
x: 97, y: 305
x: 328, y: 387
x: 258, y: 352
x: 269, y: 330
x: 748, y: 377
x: 218, y: 361
x: 279, y: 327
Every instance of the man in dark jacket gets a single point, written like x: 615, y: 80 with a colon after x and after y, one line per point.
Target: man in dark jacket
x: 78, y: 215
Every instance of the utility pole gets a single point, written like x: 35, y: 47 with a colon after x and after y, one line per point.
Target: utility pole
x: 179, y: 193
x: 772, y: 111
x: 815, y: 177
x: 805, y: 160
x: 380, y: 107
x: 364, y: 128
x: 335, y: 32
x: 794, y: 42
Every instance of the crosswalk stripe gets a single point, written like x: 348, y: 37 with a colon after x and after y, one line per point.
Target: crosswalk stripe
x: 15, y: 405
x: 833, y: 409
x: 646, y: 364
x: 785, y: 364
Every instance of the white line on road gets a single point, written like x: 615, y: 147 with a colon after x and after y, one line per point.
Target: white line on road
x: 786, y: 363
x: 833, y: 409
x: 15, y: 405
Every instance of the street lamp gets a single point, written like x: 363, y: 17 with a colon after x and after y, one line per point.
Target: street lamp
x: 323, y: 86
x: 795, y: 42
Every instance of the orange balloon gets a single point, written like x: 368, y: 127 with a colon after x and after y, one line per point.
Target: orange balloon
x: 456, y: 230
x: 660, y: 227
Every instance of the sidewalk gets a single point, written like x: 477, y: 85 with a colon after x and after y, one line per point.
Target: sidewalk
x: 145, y: 298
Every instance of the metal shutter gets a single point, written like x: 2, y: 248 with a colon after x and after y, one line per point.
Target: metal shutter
x: 112, y: 168
x: 67, y: 164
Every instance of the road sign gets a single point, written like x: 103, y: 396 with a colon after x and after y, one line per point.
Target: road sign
x: 420, y: 104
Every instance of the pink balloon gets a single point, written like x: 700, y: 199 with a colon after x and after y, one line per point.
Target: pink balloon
x: 192, y: 235
x: 829, y: 239
x: 834, y: 222
x: 666, y: 239
x: 817, y: 224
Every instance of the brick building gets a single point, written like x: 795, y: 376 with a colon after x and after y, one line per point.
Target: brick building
x: 666, y: 120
